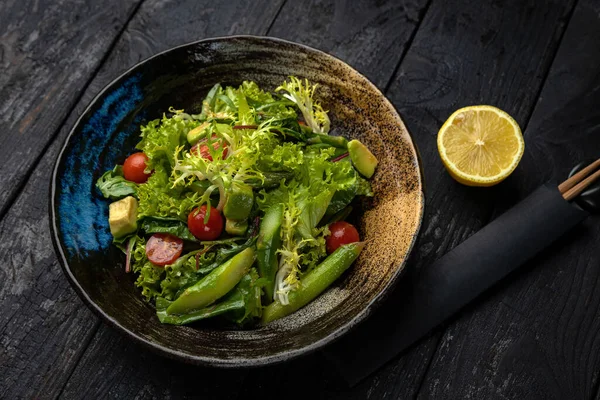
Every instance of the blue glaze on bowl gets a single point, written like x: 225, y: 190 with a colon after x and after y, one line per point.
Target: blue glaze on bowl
x: 83, y: 217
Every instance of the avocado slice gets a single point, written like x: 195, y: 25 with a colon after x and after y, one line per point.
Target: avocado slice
x: 364, y: 161
x: 214, y: 285
x: 195, y: 134
x: 122, y: 216
x: 236, y: 228
x: 239, y: 202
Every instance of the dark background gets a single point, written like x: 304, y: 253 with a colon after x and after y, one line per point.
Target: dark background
x: 534, y: 336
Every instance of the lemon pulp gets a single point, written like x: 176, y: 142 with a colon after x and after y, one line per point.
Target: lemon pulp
x: 480, y: 145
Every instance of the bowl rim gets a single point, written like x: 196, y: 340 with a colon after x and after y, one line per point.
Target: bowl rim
x: 237, y: 361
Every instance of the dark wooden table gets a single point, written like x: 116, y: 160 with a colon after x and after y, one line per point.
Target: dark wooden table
x: 535, y: 335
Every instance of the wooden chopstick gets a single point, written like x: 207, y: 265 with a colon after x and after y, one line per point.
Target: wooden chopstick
x: 567, y: 185
x: 580, y: 187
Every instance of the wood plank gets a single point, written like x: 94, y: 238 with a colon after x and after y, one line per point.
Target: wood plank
x: 44, y: 327
x: 536, y: 336
x: 161, y: 25
x: 370, y: 35
x: 48, y: 52
x: 126, y: 371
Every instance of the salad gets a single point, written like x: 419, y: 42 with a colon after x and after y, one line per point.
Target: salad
x: 238, y: 211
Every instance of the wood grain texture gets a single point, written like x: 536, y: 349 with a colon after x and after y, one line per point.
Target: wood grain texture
x: 161, y: 25
x: 370, y: 35
x: 48, y: 52
x: 44, y: 327
x: 119, y: 369
x: 537, y: 336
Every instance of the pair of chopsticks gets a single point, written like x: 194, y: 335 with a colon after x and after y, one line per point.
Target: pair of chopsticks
x: 576, y: 184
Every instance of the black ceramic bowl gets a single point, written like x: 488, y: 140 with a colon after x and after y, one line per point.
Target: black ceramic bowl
x: 108, y: 131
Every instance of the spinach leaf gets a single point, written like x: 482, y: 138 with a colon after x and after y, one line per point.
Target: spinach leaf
x: 171, y: 226
x: 123, y: 242
x: 340, y: 200
x: 339, y: 216
x: 250, y: 289
x: 114, y: 186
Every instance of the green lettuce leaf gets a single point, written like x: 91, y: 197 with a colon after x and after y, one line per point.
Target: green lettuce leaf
x: 114, y: 186
x: 245, y: 114
x: 149, y: 279
x: 312, y: 211
x: 183, y: 273
x: 123, y: 242
x: 171, y: 226
x: 284, y: 157
x: 349, y: 184
x: 209, y: 102
x: 255, y: 96
x: 149, y: 276
x: 266, y: 106
x: 157, y: 198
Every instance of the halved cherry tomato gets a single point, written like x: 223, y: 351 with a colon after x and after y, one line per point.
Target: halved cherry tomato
x: 163, y: 249
x: 210, y: 230
x: 134, y: 166
x: 203, y: 148
x: 341, y: 233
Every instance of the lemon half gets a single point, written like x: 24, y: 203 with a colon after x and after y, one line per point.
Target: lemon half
x: 480, y: 145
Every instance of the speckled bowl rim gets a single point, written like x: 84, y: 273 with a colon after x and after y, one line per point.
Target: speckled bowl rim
x: 237, y: 362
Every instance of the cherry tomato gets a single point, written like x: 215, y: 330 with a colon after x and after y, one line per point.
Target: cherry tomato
x: 203, y: 148
x: 209, y: 231
x: 163, y: 249
x: 341, y: 233
x: 134, y: 166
